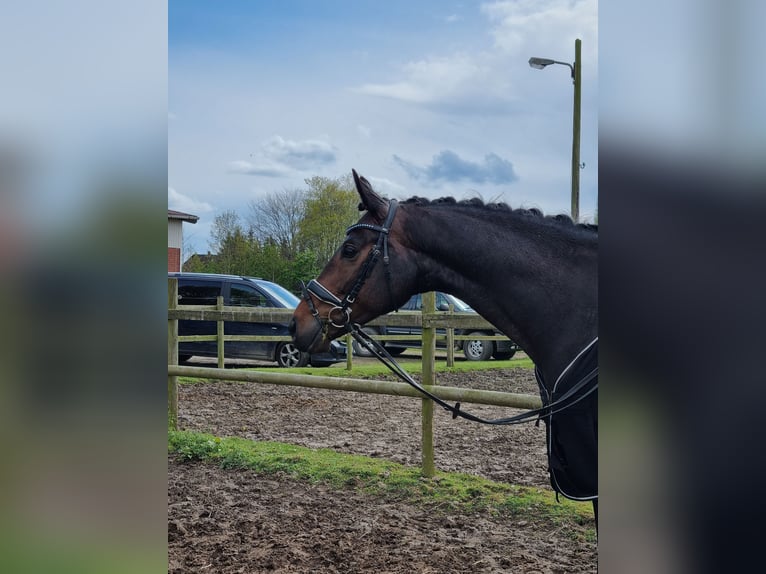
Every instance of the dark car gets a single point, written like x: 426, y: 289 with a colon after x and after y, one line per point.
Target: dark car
x: 473, y: 349
x: 238, y: 291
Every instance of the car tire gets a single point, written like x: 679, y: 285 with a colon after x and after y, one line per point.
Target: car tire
x: 395, y: 351
x: 503, y: 355
x: 183, y: 358
x: 477, y: 349
x: 359, y: 350
x: 288, y: 355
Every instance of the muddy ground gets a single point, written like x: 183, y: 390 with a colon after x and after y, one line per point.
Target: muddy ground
x: 240, y: 521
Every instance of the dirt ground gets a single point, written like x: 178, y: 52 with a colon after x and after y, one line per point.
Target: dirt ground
x: 240, y: 521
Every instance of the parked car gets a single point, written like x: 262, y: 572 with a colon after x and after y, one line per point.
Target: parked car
x: 238, y: 291
x: 473, y: 349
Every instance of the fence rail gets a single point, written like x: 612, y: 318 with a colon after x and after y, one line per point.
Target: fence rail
x: 429, y: 320
x: 439, y: 320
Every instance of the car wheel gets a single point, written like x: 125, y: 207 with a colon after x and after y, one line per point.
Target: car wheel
x: 183, y: 358
x: 359, y: 350
x: 288, y: 355
x: 395, y: 351
x: 503, y: 355
x: 476, y: 349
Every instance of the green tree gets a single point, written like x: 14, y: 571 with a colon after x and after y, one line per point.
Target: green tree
x: 235, y: 255
x: 331, y: 206
x: 276, y: 217
x: 233, y: 246
x: 225, y: 225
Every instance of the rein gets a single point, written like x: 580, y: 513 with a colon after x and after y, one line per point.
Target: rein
x: 567, y: 400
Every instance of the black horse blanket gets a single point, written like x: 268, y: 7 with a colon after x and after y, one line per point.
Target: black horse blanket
x: 572, y: 434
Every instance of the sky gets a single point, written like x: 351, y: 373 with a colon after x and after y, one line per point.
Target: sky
x: 427, y: 98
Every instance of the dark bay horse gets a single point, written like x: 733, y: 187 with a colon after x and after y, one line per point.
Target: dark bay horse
x: 534, y: 277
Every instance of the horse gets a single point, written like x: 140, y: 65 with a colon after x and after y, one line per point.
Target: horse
x: 534, y: 277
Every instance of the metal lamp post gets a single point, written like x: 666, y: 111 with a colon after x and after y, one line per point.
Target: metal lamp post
x: 576, y: 69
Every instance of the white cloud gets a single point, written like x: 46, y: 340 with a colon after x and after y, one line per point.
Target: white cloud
x: 487, y: 81
x: 279, y: 157
x: 180, y: 202
x: 264, y: 168
x: 387, y: 187
x: 548, y: 25
x: 303, y: 154
x: 461, y: 80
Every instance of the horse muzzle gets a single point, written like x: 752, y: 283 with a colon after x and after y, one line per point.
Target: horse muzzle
x: 308, y: 334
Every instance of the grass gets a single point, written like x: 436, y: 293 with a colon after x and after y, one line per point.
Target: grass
x: 367, y: 370
x: 452, y: 491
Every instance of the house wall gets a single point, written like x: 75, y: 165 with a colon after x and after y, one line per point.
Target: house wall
x: 175, y: 243
x: 175, y: 233
x: 174, y: 259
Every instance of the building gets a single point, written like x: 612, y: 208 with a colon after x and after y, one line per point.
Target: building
x: 176, y: 237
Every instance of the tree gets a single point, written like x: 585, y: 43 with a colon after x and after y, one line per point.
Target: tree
x: 276, y: 217
x: 225, y: 224
x: 331, y: 206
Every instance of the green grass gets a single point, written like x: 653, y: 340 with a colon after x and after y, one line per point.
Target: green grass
x: 412, y: 365
x: 453, y: 491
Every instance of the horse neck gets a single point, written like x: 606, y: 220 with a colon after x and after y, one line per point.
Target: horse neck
x: 534, y: 279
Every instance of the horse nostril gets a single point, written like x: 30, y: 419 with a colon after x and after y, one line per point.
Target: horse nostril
x: 291, y: 327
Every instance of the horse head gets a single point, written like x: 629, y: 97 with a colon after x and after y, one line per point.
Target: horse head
x: 368, y: 275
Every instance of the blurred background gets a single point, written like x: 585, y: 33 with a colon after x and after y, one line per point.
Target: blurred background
x: 83, y: 190
x: 83, y: 170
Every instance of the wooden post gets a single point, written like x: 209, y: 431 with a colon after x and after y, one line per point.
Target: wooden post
x: 172, y: 356
x: 219, y: 332
x: 577, y: 80
x: 349, y: 352
x: 427, y: 409
x: 451, y: 341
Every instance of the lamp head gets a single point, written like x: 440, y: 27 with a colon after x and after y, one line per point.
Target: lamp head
x: 540, y: 63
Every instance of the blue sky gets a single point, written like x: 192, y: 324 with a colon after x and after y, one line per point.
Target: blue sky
x: 423, y: 98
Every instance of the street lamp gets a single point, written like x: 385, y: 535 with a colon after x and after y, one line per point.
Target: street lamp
x: 576, y: 69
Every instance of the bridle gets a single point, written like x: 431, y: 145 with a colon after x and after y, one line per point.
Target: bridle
x: 339, y: 315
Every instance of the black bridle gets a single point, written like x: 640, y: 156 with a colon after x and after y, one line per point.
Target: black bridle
x: 578, y: 392
x: 342, y: 307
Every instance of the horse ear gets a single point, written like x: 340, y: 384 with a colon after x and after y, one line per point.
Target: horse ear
x: 371, y: 201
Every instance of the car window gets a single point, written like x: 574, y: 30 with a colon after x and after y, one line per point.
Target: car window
x: 459, y: 304
x: 413, y: 304
x: 246, y: 296
x: 195, y: 292
x: 442, y: 302
x: 281, y: 294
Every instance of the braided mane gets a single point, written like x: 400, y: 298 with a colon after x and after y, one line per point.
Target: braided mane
x: 477, y: 203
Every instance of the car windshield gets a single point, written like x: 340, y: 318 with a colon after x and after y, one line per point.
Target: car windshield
x: 460, y: 305
x: 281, y: 294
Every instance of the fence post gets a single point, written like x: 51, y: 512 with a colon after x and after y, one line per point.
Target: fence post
x: 172, y: 356
x: 427, y: 408
x: 349, y: 352
x: 451, y: 340
x: 219, y: 325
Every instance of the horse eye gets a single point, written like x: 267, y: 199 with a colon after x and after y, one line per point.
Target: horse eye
x: 348, y: 251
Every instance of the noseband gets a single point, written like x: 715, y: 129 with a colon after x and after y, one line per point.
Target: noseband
x: 339, y: 315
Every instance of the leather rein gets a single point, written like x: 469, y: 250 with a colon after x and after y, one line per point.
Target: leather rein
x: 342, y: 309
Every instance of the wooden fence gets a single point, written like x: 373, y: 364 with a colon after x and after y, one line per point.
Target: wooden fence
x: 429, y: 320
